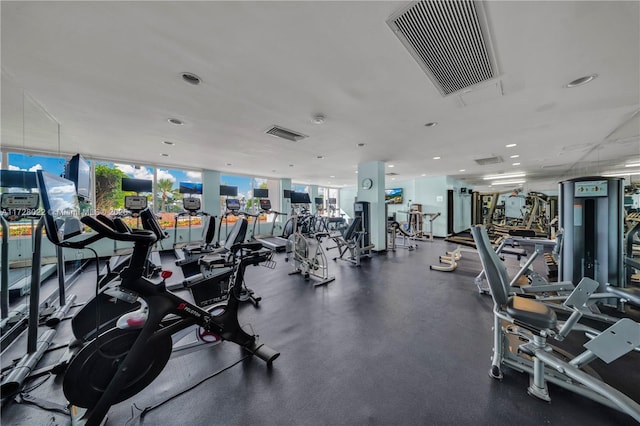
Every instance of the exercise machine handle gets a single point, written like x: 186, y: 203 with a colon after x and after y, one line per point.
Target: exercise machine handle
x: 104, y: 228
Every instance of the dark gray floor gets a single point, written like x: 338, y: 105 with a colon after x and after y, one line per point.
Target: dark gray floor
x: 391, y: 342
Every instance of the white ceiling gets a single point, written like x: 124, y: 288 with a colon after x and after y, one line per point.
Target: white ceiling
x: 110, y: 74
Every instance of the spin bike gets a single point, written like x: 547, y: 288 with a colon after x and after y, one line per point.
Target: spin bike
x: 122, y: 361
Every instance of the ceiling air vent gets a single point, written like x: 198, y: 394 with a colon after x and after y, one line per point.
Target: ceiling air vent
x: 489, y: 160
x: 450, y: 40
x: 391, y: 174
x: 281, y: 132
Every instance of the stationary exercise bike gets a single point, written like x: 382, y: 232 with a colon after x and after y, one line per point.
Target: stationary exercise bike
x: 122, y: 361
x: 304, y: 262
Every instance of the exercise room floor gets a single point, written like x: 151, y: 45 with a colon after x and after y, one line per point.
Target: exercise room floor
x: 389, y: 343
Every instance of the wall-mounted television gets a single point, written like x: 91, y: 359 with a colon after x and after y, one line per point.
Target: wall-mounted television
x: 137, y: 185
x: 228, y: 191
x: 18, y: 179
x: 79, y: 172
x: 319, y: 200
x: 286, y: 193
x: 300, y: 198
x: 393, y: 196
x: 260, y: 193
x: 190, y: 188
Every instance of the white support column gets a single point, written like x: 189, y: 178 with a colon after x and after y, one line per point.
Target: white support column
x: 375, y: 196
x: 285, y: 203
x: 211, y: 192
x: 313, y: 193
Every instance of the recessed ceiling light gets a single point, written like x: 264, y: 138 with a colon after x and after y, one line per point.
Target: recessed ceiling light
x: 582, y: 80
x: 393, y: 178
x: 331, y: 176
x: 514, y: 156
x: 390, y: 165
x: 431, y: 124
x: 632, y: 165
x: 168, y: 143
x: 318, y: 119
x: 356, y: 172
x: 515, y: 164
x: 462, y: 170
x: 436, y: 158
x: 424, y: 174
x: 511, y: 145
x: 191, y: 78
x: 361, y: 144
x: 175, y: 121
x: 164, y: 155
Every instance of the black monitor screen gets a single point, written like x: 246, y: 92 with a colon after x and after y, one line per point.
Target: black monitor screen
x: 300, y: 198
x: 233, y: 204
x: 79, y: 172
x: 319, y: 200
x: 190, y: 188
x: 62, y: 210
x: 260, y: 193
x: 228, y: 191
x: 137, y: 185
x: 18, y: 179
x: 286, y: 193
x: 265, y: 204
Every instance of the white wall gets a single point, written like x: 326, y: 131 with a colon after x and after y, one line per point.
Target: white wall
x: 347, y: 198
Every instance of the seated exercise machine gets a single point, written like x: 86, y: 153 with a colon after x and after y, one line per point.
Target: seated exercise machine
x: 351, y: 243
x: 211, y: 284
x: 556, y: 294
x: 192, y: 208
x: 192, y: 252
x: 232, y: 208
x: 271, y: 241
x: 395, y: 230
x: 122, y: 361
x: 523, y: 326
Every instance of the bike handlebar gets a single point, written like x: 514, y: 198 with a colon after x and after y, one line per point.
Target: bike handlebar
x: 105, y: 227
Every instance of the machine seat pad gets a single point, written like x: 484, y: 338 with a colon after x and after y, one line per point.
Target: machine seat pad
x: 197, y: 249
x: 630, y: 294
x: 532, y: 312
x: 527, y: 233
x: 212, y: 261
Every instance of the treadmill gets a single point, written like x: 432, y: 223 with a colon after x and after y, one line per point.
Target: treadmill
x: 270, y: 241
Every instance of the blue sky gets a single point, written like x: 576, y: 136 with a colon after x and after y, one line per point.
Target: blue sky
x: 56, y: 166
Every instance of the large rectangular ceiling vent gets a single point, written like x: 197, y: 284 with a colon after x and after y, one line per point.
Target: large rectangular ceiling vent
x: 281, y: 132
x: 449, y: 40
x: 489, y: 160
